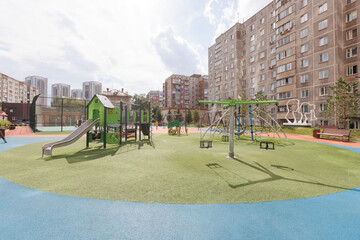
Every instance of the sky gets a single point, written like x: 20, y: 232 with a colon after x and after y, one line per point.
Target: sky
x: 127, y: 44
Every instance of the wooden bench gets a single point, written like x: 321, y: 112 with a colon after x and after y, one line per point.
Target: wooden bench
x: 335, y: 134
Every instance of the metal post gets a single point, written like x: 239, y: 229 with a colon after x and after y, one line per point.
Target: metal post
x: 62, y: 114
x: 239, y: 110
x: 126, y: 118
x: 251, y: 123
x: 231, y: 137
x: 105, y: 126
x: 141, y: 117
x: 121, y: 112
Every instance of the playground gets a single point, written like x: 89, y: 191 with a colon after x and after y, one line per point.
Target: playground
x: 122, y: 179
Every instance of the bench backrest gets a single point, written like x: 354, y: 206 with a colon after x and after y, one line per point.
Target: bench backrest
x: 323, y: 126
x: 345, y: 132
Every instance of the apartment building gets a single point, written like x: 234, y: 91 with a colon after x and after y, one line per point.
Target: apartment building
x: 184, y: 91
x: 91, y: 88
x: 41, y: 84
x: 116, y: 96
x: 291, y: 49
x: 155, y: 98
x: 14, y: 91
x: 60, y: 90
x: 77, y: 93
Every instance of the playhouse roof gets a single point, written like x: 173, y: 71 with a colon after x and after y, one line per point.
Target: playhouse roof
x: 104, y: 100
x: 3, y: 114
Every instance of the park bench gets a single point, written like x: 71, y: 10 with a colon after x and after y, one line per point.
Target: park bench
x: 335, y: 133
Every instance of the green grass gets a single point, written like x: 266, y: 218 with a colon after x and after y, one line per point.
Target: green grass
x: 176, y: 170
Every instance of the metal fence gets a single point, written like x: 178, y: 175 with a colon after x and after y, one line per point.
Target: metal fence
x: 57, y: 114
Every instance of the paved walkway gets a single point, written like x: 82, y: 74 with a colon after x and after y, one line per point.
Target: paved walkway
x: 31, y: 214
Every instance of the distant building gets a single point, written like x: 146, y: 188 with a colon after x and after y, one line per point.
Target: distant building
x: 3, y: 116
x: 41, y: 84
x: 91, y: 88
x: 184, y: 91
x: 117, y: 96
x: 60, y: 90
x: 14, y: 91
x: 17, y: 111
x: 77, y: 93
x: 155, y: 98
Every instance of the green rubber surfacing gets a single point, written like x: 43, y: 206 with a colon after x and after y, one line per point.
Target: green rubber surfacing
x: 176, y: 170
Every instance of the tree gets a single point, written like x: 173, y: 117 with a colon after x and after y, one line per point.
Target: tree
x: 196, y: 116
x: 178, y: 115
x: 140, y: 101
x: 344, y: 102
x: 188, y: 117
x: 243, y: 108
x: 158, y: 116
x: 261, y: 109
x: 169, y: 116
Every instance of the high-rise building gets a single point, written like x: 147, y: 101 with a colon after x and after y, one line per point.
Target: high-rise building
x: 288, y: 50
x: 91, y: 88
x: 77, y: 93
x: 60, y: 90
x: 184, y: 91
x: 41, y: 84
x: 14, y: 91
x: 155, y: 98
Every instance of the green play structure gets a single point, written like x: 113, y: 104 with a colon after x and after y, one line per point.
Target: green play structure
x: 116, y: 123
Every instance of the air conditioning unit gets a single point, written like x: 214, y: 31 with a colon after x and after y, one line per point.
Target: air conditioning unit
x: 271, y: 66
x: 271, y: 42
x: 282, y: 32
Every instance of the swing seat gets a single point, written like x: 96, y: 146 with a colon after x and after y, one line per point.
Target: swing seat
x: 205, y: 144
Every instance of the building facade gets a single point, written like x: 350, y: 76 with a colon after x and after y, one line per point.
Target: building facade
x: 291, y: 49
x: 60, y: 90
x: 77, y: 93
x: 184, y: 91
x: 91, y: 88
x: 155, y: 98
x: 41, y: 84
x: 117, y: 96
x: 14, y: 91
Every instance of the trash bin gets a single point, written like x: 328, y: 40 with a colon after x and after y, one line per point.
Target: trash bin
x: 316, y: 133
x: 2, y: 132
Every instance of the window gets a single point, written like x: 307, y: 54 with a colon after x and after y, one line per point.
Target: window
x: 262, y: 55
x: 244, y: 53
x: 283, y: 95
x: 274, y: 73
x: 351, y: 16
x: 323, y: 41
x: 273, y: 62
x: 304, y: 3
x: 304, y: 78
x: 232, y: 65
x: 273, y: 50
x: 283, y: 41
x: 252, y: 48
x: 262, y: 32
x: 305, y: 63
x: 304, y: 33
x: 252, y: 27
x: 252, y: 59
x: 244, y: 62
x: 351, y: 70
x: 304, y: 93
x: 262, y: 21
x: 232, y: 46
x: 305, y: 108
x: 324, y: 74
x: 233, y: 55
x: 262, y: 77
x: 351, y: 52
x: 252, y: 38
x: 252, y: 69
x: 284, y: 82
x: 304, y: 48
x: 262, y: 66
x: 351, y: 34
x: 323, y: 107
x: 284, y: 54
x: 252, y: 90
x: 283, y: 68
x: 285, y: 13
x: 304, y: 18
x: 323, y: 24
x: 324, y: 57
x: 323, y: 91
x: 273, y: 86
x: 349, y: 1
x: 252, y: 80
x: 262, y: 89
x: 323, y: 8
x: 262, y: 43
x: 243, y: 82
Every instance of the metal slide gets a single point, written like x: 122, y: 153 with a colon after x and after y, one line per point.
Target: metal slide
x: 73, y: 137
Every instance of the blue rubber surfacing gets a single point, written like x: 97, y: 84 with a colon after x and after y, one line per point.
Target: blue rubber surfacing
x: 32, y: 214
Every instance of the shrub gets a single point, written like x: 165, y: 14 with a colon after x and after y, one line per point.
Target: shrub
x: 5, y: 124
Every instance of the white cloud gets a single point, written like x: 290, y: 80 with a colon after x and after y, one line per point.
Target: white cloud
x: 176, y: 53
